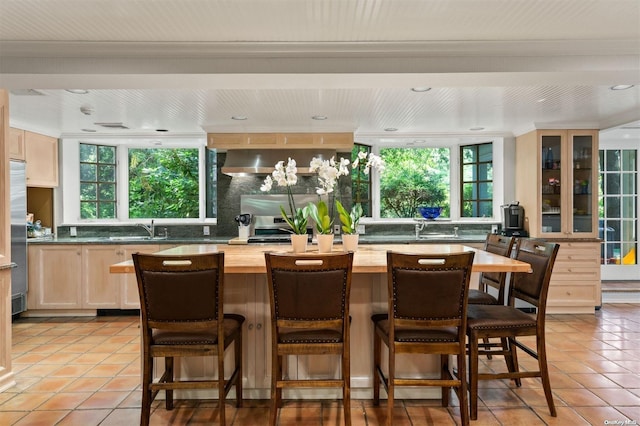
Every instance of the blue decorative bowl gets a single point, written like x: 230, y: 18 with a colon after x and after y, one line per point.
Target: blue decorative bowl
x: 430, y: 212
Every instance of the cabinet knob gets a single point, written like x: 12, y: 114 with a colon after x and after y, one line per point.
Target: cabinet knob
x: 250, y: 327
x: 568, y: 293
x: 259, y: 326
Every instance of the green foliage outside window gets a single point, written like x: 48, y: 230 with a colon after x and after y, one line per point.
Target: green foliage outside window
x: 163, y: 183
x: 414, y: 177
x: 97, y: 181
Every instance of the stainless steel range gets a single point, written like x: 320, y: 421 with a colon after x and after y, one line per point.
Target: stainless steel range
x: 267, y: 224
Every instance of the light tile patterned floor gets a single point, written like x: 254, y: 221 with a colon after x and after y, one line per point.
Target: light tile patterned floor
x: 85, y: 371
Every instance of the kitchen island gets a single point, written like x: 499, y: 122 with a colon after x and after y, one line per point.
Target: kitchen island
x: 246, y: 293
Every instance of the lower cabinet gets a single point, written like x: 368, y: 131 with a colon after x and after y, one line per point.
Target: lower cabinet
x: 575, y: 281
x: 129, y: 298
x: 247, y: 295
x: 63, y: 276
x: 55, y: 277
x: 100, y: 290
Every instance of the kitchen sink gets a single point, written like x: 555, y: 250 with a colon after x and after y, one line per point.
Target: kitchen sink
x: 129, y: 238
x: 437, y: 236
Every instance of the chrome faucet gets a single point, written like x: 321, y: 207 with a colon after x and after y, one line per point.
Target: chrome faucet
x: 419, y: 227
x: 151, y: 229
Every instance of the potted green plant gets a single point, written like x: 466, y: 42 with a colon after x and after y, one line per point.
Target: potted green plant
x: 298, y: 217
x: 319, y: 212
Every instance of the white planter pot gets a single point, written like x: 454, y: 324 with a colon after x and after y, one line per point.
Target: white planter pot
x: 350, y: 242
x: 299, y: 243
x: 325, y: 243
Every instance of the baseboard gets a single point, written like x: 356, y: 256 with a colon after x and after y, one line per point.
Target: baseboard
x: 621, y: 297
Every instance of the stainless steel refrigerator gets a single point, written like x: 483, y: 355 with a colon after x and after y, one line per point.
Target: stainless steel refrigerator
x: 18, y: 237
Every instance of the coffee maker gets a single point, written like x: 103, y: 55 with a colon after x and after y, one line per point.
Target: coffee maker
x: 513, y: 220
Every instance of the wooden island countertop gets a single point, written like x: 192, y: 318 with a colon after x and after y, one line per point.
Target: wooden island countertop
x: 369, y: 258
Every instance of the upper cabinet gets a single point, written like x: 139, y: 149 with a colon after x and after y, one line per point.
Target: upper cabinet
x: 559, y: 190
x: 16, y: 144
x: 223, y: 141
x: 41, y: 153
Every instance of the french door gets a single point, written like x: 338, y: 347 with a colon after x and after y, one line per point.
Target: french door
x: 618, y: 210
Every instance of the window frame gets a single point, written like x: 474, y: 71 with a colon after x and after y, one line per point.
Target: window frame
x: 503, y: 165
x: 70, y: 175
x: 476, y: 164
x: 98, y: 182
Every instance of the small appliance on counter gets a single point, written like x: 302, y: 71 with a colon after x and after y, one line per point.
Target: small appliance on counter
x: 244, y: 226
x: 513, y: 220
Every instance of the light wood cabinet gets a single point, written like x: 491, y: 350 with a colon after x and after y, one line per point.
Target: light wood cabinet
x: 247, y: 295
x: 16, y: 144
x: 55, y: 277
x: 558, y: 190
x: 77, y: 277
x: 41, y: 155
x: 100, y: 289
x: 129, y: 297
x: 224, y: 141
x: 575, y: 281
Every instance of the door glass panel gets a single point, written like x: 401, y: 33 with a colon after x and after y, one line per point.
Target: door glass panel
x: 618, y: 205
x: 551, y: 184
x: 582, y: 185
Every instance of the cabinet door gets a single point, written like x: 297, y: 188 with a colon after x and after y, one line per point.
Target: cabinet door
x: 129, y: 297
x: 582, y: 178
x: 247, y: 295
x: 552, y: 185
x: 42, y: 160
x: 16, y: 144
x: 55, y: 277
x: 296, y: 140
x: 100, y: 289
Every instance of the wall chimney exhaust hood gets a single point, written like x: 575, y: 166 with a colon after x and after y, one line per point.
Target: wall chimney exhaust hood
x: 244, y: 162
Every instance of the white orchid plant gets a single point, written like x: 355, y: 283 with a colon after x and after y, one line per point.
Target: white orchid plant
x: 287, y: 176
x: 329, y: 171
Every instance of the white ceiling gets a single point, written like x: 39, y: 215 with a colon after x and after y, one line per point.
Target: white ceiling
x: 187, y: 66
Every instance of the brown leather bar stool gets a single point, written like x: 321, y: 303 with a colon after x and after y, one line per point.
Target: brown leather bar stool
x: 497, y: 244
x: 509, y: 323
x: 427, y: 315
x: 181, y: 305
x: 309, y: 316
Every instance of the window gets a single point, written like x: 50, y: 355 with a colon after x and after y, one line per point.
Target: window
x: 97, y: 181
x: 163, y: 183
x: 476, y: 169
x: 177, y: 180
x: 414, y: 177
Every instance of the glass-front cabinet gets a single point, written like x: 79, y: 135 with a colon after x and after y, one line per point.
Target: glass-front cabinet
x: 557, y: 182
x: 568, y: 187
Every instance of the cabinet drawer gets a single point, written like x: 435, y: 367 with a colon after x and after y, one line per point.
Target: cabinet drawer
x: 575, y: 272
x: 567, y: 295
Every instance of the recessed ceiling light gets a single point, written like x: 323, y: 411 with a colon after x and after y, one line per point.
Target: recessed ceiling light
x: 420, y: 89
x: 239, y: 117
x: 390, y: 129
x: 319, y: 117
x: 542, y: 100
x: 78, y: 91
x: 162, y: 130
x: 86, y: 109
x: 89, y: 130
x: 476, y: 129
x: 621, y: 87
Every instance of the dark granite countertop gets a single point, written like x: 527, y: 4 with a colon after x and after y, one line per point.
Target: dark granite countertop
x: 364, y: 239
